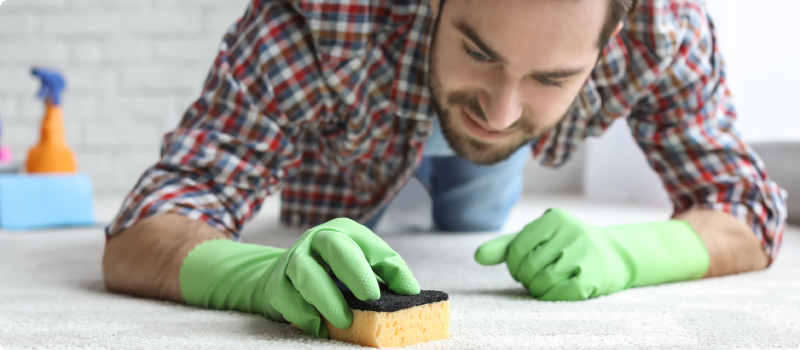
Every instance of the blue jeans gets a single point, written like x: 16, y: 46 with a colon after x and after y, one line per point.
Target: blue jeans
x: 466, y: 196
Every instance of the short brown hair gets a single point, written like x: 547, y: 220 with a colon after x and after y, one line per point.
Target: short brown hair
x: 616, y: 10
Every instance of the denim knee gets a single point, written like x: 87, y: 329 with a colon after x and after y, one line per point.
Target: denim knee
x: 477, y: 215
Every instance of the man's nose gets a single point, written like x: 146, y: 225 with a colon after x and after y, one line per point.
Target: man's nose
x: 503, y: 106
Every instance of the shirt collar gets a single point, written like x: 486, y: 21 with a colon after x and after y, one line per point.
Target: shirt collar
x: 608, y: 71
x: 587, y: 103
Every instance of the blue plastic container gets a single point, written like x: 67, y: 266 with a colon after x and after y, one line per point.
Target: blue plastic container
x: 36, y: 201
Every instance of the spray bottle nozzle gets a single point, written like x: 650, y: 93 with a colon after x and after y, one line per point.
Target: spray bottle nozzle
x: 52, y: 85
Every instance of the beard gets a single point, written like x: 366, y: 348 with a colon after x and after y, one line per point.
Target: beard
x: 462, y: 144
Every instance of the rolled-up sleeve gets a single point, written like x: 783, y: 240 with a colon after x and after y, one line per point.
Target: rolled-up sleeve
x: 235, y: 142
x: 685, y: 126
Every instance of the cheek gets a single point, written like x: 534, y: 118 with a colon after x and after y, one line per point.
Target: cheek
x: 548, y: 105
x: 454, y: 71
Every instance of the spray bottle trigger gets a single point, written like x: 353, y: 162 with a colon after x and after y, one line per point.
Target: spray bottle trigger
x: 53, y: 85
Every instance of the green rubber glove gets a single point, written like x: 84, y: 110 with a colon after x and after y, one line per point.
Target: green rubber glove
x: 559, y: 257
x: 293, y: 285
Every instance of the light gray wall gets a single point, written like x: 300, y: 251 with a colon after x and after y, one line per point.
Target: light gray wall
x: 783, y: 165
x: 564, y: 180
x: 759, y: 40
x: 133, y: 66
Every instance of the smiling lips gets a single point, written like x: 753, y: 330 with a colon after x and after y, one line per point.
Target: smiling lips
x: 476, y: 128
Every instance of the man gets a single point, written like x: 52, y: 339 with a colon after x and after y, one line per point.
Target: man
x: 338, y: 103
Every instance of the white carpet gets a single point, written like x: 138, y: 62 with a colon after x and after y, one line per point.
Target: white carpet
x: 52, y: 297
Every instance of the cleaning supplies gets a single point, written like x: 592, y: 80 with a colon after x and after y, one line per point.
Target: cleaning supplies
x: 51, y: 155
x: 5, y: 152
x: 394, y: 320
x: 52, y: 193
x: 48, y: 200
x: 7, y: 164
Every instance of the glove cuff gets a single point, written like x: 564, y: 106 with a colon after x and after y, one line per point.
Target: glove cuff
x: 661, y: 252
x: 227, y: 275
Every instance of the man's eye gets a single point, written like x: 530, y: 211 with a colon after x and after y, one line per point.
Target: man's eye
x: 549, y: 82
x: 475, y: 55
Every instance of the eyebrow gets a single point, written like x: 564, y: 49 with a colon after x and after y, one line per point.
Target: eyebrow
x: 470, y: 33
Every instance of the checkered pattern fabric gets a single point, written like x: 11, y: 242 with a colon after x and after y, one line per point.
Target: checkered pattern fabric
x: 328, y: 101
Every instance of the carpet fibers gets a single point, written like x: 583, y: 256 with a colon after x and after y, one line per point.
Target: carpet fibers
x: 52, y: 297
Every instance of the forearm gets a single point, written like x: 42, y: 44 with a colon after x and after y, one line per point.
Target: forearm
x: 732, y: 247
x: 145, y: 259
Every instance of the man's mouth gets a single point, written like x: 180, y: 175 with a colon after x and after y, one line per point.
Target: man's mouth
x: 479, y: 129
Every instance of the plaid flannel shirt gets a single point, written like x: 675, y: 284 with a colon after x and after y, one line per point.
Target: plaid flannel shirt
x: 327, y: 101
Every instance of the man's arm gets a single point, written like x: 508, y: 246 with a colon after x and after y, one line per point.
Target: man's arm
x: 685, y: 125
x: 732, y: 247
x: 230, y: 150
x: 164, y: 257
x: 145, y: 259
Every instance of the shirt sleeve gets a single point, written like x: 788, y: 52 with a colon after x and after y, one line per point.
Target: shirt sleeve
x: 234, y: 143
x: 685, y: 126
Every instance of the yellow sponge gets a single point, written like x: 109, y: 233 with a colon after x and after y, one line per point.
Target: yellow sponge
x: 395, y: 320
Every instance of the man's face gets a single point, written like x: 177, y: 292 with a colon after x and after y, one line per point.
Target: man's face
x: 505, y: 71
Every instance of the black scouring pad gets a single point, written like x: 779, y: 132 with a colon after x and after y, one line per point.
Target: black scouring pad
x: 390, y: 301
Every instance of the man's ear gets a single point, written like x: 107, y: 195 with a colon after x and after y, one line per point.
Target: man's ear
x: 616, y: 30
x: 434, y: 4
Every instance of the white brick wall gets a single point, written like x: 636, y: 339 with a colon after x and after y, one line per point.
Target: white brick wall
x: 132, y: 67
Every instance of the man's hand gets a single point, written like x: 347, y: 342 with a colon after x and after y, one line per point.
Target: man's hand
x: 559, y: 257
x: 300, y: 284
x: 294, y: 285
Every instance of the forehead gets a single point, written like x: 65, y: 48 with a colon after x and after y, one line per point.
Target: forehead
x: 538, y: 32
